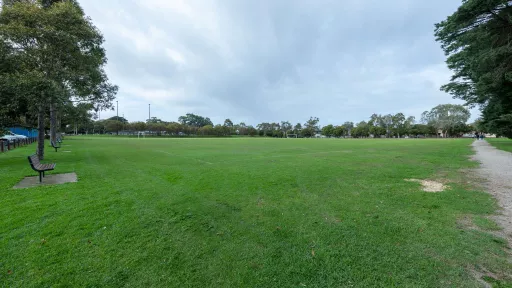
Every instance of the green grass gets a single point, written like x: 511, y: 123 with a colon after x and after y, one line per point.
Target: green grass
x: 501, y: 143
x: 485, y: 223
x: 245, y: 213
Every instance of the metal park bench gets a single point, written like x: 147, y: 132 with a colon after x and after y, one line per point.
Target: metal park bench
x: 55, y: 145
x: 39, y: 167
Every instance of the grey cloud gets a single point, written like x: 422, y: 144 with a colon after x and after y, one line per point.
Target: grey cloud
x: 257, y: 61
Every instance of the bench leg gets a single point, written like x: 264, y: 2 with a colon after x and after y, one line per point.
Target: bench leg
x: 40, y: 177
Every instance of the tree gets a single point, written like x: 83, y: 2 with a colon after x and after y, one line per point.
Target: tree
x: 175, y: 128
x: 446, y: 117
x: 297, y: 128
x: 265, y: 128
x: 361, y: 130
x: 206, y: 130
x: 348, y: 127
x: 311, y: 127
x: 76, y: 116
x: 228, y: 124
x: 476, y: 40
x: 113, y: 126
x: 421, y: 129
x: 338, y: 131
x: 398, y: 123
x: 409, y: 122
x: 194, y: 120
x: 387, y: 123
x: 242, y: 128
x: 99, y: 127
x: 157, y: 127
x: 59, y: 58
x: 328, y: 130
x: 139, y: 126
x: 377, y: 125
x: 286, y: 127
x: 459, y: 129
x: 154, y: 120
x: 118, y: 118
x: 218, y: 130
x: 252, y: 131
x: 312, y: 123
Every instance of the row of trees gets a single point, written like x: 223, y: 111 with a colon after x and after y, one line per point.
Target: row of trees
x: 443, y: 120
x: 51, y: 65
x: 476, y: 40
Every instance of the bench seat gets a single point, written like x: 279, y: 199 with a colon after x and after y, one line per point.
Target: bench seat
x: 40, y: 167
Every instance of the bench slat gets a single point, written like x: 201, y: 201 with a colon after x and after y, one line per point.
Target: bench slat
x: 38, y: 166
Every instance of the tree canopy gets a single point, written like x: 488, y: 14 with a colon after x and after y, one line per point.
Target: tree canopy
x: 195, y: 120
x: 52, y: 55
x: 446, y: 117
x: 476, y: 39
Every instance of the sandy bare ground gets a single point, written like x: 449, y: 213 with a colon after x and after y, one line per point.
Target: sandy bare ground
x: 496, y: 172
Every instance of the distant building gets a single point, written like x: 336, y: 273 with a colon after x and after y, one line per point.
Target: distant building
x: 29, y: 132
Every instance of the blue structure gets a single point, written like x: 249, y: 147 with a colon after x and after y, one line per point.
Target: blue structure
x: 24, y: 131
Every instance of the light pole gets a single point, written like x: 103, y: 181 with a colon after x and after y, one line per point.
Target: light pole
x: 149, y: 119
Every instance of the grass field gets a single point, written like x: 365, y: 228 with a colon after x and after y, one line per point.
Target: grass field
x: 248, y: 213
x: 501, y: 143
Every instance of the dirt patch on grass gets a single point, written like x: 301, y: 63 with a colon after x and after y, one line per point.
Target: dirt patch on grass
x: 429, y: 185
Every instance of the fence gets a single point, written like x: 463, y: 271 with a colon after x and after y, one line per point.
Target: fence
x: 6, y: 145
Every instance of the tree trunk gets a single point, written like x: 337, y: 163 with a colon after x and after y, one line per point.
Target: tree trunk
x: 40, y: 136
x: 53, y: 122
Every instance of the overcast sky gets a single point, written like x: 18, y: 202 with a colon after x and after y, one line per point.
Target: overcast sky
x: 259, y: 61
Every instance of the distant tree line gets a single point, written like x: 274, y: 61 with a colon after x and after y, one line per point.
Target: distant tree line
x: 443, y: 120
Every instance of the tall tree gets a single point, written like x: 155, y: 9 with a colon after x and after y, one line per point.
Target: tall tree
x: 311, y: 127
x: 476, y: 40
x: 242, y: 128
x: 348, y: 127
x: 446, y: 117
x: 297, y: 128
x: 59, y: 54
x: 286, y: 127
x: 194, y: 120
x: 398, y: 125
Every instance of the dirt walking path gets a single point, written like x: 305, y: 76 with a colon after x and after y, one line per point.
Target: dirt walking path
x: 496, y: 171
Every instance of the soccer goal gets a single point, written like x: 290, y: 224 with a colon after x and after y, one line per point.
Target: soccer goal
x: 141, y: 135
